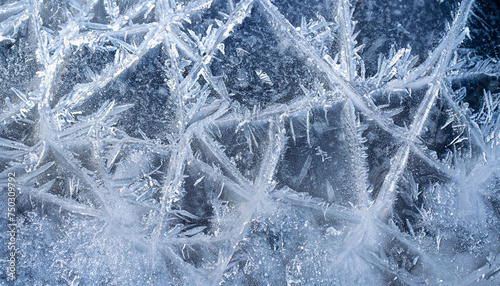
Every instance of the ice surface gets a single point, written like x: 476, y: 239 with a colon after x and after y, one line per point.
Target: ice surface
x: 250, y: 142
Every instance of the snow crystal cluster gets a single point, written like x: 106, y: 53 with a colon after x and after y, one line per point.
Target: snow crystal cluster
x: 249, y: 142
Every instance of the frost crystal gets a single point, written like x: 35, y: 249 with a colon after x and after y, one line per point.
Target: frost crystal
x: 250, y: 142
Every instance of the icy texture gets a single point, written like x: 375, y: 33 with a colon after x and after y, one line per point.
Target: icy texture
x: 252, y: 142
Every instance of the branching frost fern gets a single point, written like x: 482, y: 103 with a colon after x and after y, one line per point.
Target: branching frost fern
x: 212, y: 142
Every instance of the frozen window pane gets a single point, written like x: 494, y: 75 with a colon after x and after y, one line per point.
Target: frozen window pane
x: 249, y: 142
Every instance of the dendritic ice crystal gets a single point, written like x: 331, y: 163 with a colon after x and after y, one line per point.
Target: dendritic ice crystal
x: 250, y: 142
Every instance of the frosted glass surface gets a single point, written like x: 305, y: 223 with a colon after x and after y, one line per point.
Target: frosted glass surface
x: 250, y: 142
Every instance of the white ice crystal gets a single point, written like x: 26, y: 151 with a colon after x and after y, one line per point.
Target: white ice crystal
x: 250, y: 142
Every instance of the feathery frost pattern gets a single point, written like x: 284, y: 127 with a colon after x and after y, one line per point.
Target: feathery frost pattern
x: 250, y: 142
